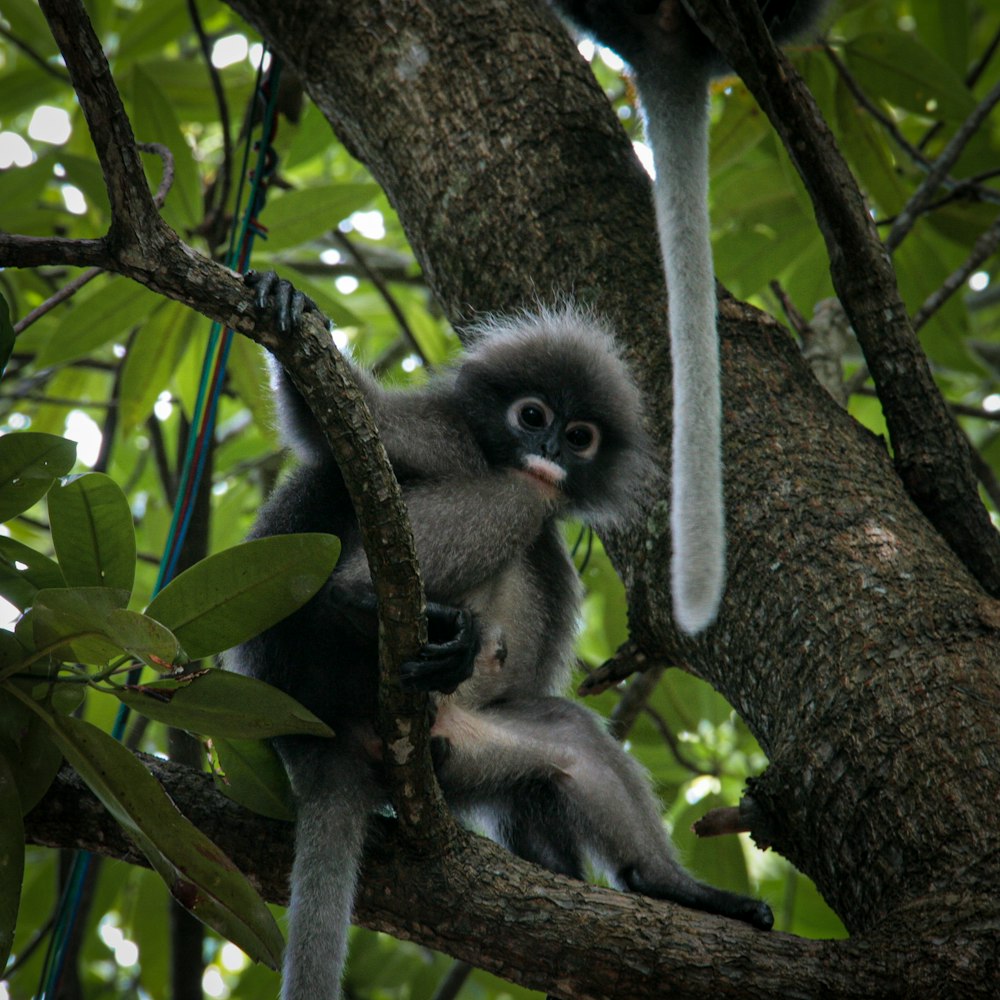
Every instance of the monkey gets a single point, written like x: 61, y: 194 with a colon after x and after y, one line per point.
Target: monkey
x: 673, y: 64
x: 540, y: 421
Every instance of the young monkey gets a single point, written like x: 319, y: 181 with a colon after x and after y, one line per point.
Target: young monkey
x: 539, y: 421
x: 673, y: 64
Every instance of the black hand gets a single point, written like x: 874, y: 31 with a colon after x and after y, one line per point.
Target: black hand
x: 449, y: 656
x: 279, y: 298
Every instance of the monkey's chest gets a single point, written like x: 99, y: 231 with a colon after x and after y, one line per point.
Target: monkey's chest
x: 528, y: 622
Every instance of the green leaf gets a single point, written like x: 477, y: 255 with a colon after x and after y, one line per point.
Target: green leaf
x: 97, y: 628
x: 199, y: 875
x: 254, y: 777
x: 219, y: 703
x: 26, y: 744
x: 300, y: 216
x: 155, y: 120
x: 24, y: 572
x: 905, y: 73
x: 105, y: 310
x: 12, y: 652
x: 11, y: 857
x: 80, y: 618
x: 29, y: 464
x: 236, y: 594
x: 6, y: 335
x: 92, y: 532
x: 152, y: 357
x: 145, y: 639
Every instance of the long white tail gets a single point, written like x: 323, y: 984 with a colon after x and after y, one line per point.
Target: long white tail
x: 676, y: 109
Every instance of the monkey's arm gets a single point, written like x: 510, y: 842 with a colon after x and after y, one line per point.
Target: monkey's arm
x: 467, y: 530
x: 421, y: 435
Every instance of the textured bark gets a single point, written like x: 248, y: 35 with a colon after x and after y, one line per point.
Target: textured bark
x: 852, y: 640
x: 479, y: 903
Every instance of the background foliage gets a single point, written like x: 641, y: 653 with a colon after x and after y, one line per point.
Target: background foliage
x: 116, y: 369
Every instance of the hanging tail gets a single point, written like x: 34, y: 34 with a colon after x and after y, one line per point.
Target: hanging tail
x: 675, y: 101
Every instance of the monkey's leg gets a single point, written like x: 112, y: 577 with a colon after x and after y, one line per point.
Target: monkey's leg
x: 602, y: 795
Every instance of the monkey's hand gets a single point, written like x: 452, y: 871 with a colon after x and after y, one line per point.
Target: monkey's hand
x: 278, y: 298
x: 450, y: 653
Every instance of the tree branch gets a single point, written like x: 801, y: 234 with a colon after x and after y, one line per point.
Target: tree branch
x: 478, y: 903
x: 140, y: 245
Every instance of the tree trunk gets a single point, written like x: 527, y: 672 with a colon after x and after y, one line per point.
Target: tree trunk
x: 852, y: 640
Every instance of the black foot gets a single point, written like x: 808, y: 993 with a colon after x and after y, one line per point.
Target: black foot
x: 279, y: 299
x: 697, y: 896
x: 450, y: 654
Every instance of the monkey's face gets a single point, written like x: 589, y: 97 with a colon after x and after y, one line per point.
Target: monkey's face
x: 544, y: 436
x: 548, y: 446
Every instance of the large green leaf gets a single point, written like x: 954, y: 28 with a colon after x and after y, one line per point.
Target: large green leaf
x: 901, y: 70
x: 300, y: 216
x: 24, y: 572
x: 29, y: 463
x: 27, y: 745
x: 92, y: 532
x: 76, y: 623
x: 199, y: 875
x: 152, y: 357
x: 219, y: 703
x: 236, y: 594
x: 12, y: 652
x: 155, y: 120
x: 254, y: 777
x: 11, y: 857
x: 106, y: 309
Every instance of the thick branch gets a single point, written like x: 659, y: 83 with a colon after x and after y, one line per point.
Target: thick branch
x: 476, y: 902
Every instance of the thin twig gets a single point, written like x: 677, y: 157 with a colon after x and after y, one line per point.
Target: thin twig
x: 969, y: 187
x: 918, y: 203
x: 34, y: 56
x: 383, y: 289
x: 57, y: 298
x: 982, y: 250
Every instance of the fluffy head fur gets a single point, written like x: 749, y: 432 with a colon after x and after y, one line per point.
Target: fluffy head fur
x: 567, y: 358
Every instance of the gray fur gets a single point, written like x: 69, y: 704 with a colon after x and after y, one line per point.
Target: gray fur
x: 540, y: 771
x: 673, y: 64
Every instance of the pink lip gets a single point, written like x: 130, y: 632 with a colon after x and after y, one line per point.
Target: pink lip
x: 545, y: 471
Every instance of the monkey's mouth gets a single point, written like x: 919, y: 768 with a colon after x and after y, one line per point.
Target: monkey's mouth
x: 545, y: 471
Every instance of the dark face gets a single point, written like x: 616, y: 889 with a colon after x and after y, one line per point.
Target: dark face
x: 549, y: 435
x: 550, y: 445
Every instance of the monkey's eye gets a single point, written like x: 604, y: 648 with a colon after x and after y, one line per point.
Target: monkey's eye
x: 583, y: 438
x: 530, y: 415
